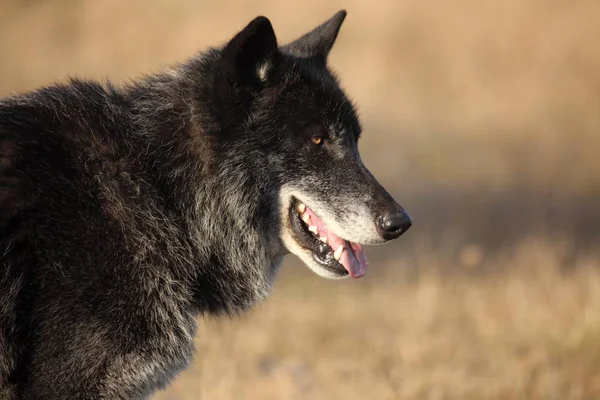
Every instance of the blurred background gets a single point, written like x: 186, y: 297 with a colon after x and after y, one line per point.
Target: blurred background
x: 483, y: 120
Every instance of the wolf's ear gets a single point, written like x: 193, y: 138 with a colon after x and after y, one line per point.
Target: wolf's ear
x: 317, y: 43
x: 248, y: 57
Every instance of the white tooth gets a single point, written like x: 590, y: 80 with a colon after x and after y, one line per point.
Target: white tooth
x: 338, y: 253
x: 306, y: 218
x: 313, y: 229
x: 323, y: 239
x: 301, y: 208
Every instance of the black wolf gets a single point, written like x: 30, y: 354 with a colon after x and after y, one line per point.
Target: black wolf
x: 128, y: 211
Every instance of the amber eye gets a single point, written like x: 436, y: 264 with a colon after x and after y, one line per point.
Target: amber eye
x: 317, y: 139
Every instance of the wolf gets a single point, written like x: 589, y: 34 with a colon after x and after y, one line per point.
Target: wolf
x: 128, y: 211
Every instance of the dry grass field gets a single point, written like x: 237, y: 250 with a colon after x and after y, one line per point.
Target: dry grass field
x: 483, y: 119
x: 530, y: 332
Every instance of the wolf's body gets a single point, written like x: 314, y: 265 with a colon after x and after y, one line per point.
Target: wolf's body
x: 126, y: 212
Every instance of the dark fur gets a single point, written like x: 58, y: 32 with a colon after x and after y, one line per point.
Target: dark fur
x: 126, y: 212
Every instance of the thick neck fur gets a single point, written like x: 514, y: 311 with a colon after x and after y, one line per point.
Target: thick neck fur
x: 219, y: 202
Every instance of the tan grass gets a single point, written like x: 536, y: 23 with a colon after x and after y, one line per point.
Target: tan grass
x: 529, y: 332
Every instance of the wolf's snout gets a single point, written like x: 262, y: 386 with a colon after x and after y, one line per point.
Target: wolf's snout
x: 393, y: 223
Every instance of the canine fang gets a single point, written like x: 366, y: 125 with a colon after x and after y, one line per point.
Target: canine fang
x: 338, y: 253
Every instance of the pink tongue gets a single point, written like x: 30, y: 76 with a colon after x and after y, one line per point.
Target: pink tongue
x: 353, y: 258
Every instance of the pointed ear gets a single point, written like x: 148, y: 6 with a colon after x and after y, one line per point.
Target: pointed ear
x: 248, y: 57
x: 317, y: 43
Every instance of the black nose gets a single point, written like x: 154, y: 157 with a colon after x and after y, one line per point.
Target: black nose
x: 393, y: 224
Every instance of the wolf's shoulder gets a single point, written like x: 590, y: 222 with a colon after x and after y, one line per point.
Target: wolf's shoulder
x: 55, y: 141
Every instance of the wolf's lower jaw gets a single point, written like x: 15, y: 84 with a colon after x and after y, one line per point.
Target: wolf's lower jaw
x: 322, y: 250
x: 304, y: 242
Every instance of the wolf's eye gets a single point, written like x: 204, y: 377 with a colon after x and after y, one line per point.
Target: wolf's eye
x: 317, y: 139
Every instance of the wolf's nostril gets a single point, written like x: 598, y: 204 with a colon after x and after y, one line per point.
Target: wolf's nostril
x: 394, y: 224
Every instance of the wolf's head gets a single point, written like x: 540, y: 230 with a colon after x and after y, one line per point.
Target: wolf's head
x: 283, y: 105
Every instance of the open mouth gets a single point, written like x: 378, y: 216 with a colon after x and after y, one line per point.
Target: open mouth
x: 333, y: 253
